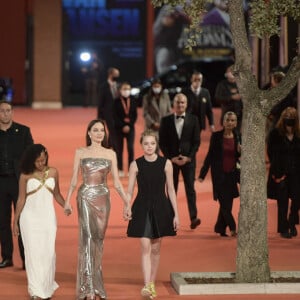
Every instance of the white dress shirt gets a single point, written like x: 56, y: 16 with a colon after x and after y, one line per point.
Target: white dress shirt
x: 179, y: 121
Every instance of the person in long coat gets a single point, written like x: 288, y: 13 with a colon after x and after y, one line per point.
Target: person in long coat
x: 156, y: 105
x: 283, y: 181
x: 223, y: 160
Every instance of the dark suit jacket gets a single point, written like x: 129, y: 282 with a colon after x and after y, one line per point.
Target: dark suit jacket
x: 19, y: 139
x: 105, y: 104
x: 284, y: 158
x: 189, y: 142
x: 214, y: 160
x: 200, y: 106
x: 119, y: 114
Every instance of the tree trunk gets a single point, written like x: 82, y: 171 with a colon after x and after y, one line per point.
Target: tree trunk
x: 252, y: 263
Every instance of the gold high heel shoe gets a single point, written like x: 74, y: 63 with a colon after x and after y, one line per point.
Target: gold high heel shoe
x: 152, y: 289
x: 146, y: 291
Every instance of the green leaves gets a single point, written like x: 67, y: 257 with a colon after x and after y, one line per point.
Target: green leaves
x: 264, y: 18
x: 264, y: 14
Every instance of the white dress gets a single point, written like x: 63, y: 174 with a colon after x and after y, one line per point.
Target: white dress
x: 38, y: 230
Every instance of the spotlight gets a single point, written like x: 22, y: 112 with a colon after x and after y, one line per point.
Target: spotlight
x: 85, y: 56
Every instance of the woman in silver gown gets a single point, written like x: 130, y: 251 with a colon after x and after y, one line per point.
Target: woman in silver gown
x: 93, y: 203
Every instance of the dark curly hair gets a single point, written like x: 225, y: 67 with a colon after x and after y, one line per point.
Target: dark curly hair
x: 90, y: 125
x: 29, y: 157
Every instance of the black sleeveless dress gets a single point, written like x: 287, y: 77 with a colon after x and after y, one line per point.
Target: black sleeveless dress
x: 152, y: 212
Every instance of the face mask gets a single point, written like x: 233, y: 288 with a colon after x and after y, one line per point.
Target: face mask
x: 125, y: 93
x: 289, y: 122
x: 156, y: 90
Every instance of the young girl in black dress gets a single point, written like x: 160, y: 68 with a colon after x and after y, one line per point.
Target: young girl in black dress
x: 154, y: 210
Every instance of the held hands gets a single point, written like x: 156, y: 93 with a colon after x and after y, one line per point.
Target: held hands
x: 180, y: 160
x: 127, y: 212
x: 176, y: 223
x: 126, y: 129
x: 67, y: 209
x: 155, y: 126
x: 278, y: 180
x: 16, y: 230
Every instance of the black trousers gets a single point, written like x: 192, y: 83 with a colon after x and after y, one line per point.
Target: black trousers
x: 225, y: 198
x: 9, y: 189
x: 288, y: 218
x: 111, y: 133
x: 225, y: 217
x: 188, y: 174
x: 119, y: 144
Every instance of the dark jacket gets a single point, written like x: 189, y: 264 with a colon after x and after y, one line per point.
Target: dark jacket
x: 284, y: 156
x: 18, y: 139
x: 105, y: 104
x: 223, y: 95
x: 120, y: 118
x: 189, y: 142
x: 214, y: 160
x: 200, y: 106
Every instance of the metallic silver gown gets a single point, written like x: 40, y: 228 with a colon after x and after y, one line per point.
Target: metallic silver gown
x: 93, y: 203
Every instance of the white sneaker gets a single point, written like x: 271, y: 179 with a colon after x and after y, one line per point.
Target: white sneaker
x: 121, y: 173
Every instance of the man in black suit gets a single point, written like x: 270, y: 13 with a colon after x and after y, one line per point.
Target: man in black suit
x: 228, y: 96
x: 108, y: 92
x: 14, y: 138
x: 179, y: 140
x: 199, y: 102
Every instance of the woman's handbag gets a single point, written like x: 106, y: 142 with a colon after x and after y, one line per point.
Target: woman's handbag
x: 237, y: 172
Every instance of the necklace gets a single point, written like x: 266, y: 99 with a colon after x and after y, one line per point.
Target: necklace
x: 42, y: 175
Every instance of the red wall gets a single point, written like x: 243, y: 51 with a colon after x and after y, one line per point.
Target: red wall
x: 13, y: 45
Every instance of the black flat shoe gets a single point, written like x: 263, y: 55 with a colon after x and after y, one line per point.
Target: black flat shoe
x: 233, y: 233
x: 6, y: 263
x: 285, y: 235
x: 195, y: 222
x: 293, y: 231
x: 223, y: 234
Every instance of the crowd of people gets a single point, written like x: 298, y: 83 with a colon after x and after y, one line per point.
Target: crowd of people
x: 170, y: 142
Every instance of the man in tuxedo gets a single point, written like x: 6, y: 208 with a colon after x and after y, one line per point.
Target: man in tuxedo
x: 14, y: 139
x: 199, y: 102
x: 179, y: 140
x: 108, y: 92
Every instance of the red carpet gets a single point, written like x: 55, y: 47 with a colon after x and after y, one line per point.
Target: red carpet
x: 61, y: 132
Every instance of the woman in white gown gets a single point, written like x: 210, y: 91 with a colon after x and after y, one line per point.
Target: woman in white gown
x: 35, y: 212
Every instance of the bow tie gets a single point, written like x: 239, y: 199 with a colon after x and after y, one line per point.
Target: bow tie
x: 178, y: 117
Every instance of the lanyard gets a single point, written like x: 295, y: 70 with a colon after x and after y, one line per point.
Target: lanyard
x: 126, y: 105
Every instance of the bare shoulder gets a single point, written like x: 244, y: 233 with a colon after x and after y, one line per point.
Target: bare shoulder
x: 168, y: 164
x: 110, y: 153
x: 133, y: 166
x: 81, y: 150
x: 52, y: 172
x: 25, y: 176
